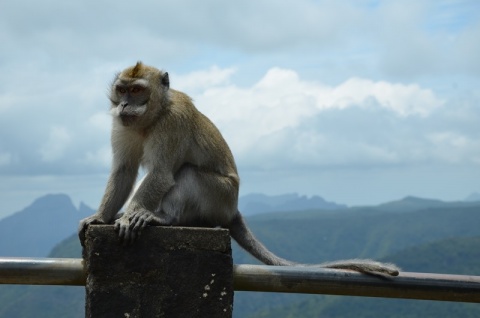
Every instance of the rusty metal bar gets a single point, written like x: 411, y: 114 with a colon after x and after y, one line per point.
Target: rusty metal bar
x: 280, y: 279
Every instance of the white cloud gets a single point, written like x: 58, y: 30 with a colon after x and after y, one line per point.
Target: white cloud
x: 425, y: 38
x: 100, y: 158
x: 280, y: 120
x: 54, y: 148
x: 400, y: 39
x: 403, y: 99
x: 200, y: 80
x: 5, y: 102
x: 359, y: 83
x: 5, y: 159
x: 466, y: 47
x: 275, y: 119
x: 455, y: 147
x: 101, y: 121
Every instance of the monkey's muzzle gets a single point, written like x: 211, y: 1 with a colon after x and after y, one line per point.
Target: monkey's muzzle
x: 128, y: 120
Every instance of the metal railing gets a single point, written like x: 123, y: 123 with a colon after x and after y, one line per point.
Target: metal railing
x: 283, y: 279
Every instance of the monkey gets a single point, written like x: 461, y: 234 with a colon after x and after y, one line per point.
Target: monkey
x: 191, y: 176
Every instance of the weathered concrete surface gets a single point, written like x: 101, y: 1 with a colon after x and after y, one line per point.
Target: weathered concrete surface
x: 167, y: 272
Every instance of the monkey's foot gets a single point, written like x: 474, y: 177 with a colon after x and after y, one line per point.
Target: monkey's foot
x: 131, y: 224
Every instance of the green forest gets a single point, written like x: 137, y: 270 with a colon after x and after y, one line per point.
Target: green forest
x: 418, y: 235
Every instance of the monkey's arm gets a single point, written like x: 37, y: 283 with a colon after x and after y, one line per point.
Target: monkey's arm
x: 119, y: 185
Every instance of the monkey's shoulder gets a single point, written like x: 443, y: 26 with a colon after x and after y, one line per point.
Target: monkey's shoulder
x: 186, y: 115
x: 179, y: 98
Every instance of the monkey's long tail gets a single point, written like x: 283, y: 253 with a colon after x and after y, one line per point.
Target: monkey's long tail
x: 366, y: 266
x: 245, y: 238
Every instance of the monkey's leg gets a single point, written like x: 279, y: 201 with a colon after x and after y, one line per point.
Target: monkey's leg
x: 130, y: 224
x: 201, y: 198
x: 204, y: 198
x: 197, y: 198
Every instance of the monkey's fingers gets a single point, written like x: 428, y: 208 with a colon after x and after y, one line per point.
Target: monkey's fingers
x: 82, y: 228
x: 129, y: 231
x: 130, y: 236
x: 117, y: 225
x: 122, y: 227
x: 139, y: 216
x: 156, y: 220
x: 82, y: 233
x: 121, y: 233
x: 138, y: 226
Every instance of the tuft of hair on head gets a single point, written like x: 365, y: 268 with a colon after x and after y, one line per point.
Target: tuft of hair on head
x: 135, y: 71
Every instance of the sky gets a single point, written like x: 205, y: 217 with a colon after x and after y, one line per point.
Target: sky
x: 360, y: 102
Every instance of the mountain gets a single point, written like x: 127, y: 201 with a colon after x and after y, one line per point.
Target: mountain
x: 427, y: 235
x: 473, y: 197
x: 256, y: 203
x: 452, y: 256
x: 448, y: 255
x: 411, y: 204
x: 35, y: 230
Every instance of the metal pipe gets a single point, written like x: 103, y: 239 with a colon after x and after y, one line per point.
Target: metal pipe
x: 42, y: 271
x: 311, y: 280
x: 280, y: 279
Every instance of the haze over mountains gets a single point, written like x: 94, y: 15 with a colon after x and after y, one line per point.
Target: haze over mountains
x: 52, y: 218
x: 418, y: 234
x: 475, y: 196
x: 256, y: 203
x: 36, y: 229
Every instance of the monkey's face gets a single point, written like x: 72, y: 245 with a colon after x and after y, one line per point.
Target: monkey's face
x: 138, y: 93
x: 129, y: 99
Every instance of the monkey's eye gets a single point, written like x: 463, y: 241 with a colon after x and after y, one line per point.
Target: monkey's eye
x: 136, y: 89
x: 121, y: 90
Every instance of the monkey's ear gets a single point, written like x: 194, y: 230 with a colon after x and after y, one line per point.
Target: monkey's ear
x: 165, y: 80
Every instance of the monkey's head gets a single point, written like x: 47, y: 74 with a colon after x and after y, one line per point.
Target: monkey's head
x: 138, y: 93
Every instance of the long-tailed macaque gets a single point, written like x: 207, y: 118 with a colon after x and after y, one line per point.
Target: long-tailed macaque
x: 191, y: 175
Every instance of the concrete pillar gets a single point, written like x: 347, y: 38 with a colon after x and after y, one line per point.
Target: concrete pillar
x: 167, y: 272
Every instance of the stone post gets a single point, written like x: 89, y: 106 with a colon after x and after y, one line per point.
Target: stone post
x: 166, y: 272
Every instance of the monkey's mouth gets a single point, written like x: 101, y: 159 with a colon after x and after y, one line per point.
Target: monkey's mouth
x: 127, y: 120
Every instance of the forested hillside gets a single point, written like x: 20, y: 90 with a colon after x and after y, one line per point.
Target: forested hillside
x: 442, y: 239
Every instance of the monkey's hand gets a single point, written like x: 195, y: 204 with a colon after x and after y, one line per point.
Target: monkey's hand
x: 131, y: 224
x: 93, y: 219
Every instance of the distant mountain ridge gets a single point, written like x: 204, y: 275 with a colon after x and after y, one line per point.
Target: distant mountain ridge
x: 427, y: 235
x: 256, y: 203
x: 411, y: 203
x: 35, y: 230
x: 475, y: 196
x: 450, y: 256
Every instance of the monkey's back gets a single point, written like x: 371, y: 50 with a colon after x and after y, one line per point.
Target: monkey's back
x: 209, y: 148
